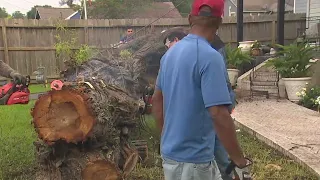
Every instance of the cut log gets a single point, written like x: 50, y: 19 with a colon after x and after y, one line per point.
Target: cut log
x: 63, y: 115
x: 101, y: 170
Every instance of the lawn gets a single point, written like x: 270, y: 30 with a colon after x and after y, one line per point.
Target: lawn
x: 17, y: 152
x: 38, y: 88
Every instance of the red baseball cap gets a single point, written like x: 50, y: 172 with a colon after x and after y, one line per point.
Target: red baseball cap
x: 217, y: 7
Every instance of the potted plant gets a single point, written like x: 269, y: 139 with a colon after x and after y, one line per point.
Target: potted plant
x: 256, y: 48
x: 245, y: 46
x: 292, y: 63
x: 235, y: 59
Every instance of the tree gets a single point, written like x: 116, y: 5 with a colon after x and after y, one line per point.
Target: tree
x: 3, y: 13
x: 71, y: 4
x: 18, y: 15
x: 184, y: 7
x: 32, y: 13
x: 116, y: 9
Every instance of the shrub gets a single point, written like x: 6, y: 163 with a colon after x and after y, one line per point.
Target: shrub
x: 310, y: 98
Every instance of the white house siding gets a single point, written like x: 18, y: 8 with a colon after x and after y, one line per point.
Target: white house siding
x: 300, y: 6
x: 314, y: 16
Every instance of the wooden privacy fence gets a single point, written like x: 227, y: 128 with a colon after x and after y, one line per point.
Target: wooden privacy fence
x: 27, y: 44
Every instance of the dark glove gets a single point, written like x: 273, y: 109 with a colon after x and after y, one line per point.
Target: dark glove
x: 241, y: 173
x: 18, y: 78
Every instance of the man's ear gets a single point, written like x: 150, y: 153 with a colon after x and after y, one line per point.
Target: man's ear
x: 189, y: 19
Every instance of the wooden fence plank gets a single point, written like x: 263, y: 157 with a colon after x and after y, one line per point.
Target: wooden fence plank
x: 5, y: 42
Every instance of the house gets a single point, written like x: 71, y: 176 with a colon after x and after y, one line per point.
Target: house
x: 256, y: 7
x: 57, y: 13
x: 312, y: 10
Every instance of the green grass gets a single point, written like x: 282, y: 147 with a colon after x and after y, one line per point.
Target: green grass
x: 269, y: 163
x: 17, y: 152
x: 38, y: 88
x: 16, y: 141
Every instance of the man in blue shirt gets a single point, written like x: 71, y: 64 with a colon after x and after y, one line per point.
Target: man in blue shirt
x: 191, y: 98
x: 221, y: 156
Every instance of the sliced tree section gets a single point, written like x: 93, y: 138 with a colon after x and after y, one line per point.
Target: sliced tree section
x: 63, y: 115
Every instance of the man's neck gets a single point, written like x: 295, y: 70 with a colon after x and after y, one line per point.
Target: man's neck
x: 200, y: 32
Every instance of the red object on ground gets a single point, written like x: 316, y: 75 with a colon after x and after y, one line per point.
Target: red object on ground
x: 19, y: 94
x: 19, y: 97
x: 56, y: 85
x: 4, y: 89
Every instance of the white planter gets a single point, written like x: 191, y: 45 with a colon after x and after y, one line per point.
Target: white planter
x: 233, y: 76
x: 245, y: 46
x: 294, y: 85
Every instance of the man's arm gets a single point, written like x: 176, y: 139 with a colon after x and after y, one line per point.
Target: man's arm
x: 157, y: 103
x: 216, y: 98
x: 5, y: 70
x: 157, y: 108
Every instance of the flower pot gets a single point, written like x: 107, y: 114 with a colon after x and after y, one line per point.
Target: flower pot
x: 233, y: 76
x: 256, y: 52
x: 245, y: 46
x: 294, y: 85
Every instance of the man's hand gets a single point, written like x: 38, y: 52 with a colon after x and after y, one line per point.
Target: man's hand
x: 240, y: 172
x: 18, y: 78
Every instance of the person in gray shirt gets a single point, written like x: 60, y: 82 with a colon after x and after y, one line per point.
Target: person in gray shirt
x: 8, y: 72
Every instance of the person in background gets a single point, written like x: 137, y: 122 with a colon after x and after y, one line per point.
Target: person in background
x: 8, y: 72
x: 128, y: 37
x: 221, y: 155
x: 191, y: 100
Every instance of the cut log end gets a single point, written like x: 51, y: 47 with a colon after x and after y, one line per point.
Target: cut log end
x: 62, y: 115
x: 101, y: 170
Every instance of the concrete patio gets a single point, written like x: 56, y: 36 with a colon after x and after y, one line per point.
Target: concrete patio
x: 289, y: 128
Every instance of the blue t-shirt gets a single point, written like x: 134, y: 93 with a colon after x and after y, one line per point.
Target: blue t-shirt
x: 192, y: 79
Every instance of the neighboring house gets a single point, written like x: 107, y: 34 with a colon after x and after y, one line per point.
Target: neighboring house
x: 57, y: 13
x: 256, y: 7
x: 312, y: 10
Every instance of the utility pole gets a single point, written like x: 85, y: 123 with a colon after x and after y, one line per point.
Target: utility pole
x: 85, y: 9
x: 239, y: 21
x: 280, y: 24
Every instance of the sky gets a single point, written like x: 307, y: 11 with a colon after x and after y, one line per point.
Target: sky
x: 25, y: 5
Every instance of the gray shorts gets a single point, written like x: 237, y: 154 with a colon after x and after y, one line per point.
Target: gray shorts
x: 174, y: 170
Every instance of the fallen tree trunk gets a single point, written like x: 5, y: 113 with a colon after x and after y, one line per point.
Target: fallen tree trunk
x: 83, y: 132
x: 84, y: 129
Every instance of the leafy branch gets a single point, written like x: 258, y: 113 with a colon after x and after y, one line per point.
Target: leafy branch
x: 67, y: 40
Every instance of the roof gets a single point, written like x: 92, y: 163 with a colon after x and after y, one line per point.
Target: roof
x: 158, y: 9
x: 49, y: 13
x: 264, y: 5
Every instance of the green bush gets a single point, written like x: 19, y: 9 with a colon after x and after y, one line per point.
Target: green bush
x: 310, y: 98
x: 292, y: 60
x: 236, y: 58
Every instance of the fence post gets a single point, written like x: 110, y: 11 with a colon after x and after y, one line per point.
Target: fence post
x: 5, y: 41
x: 273, y: 33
